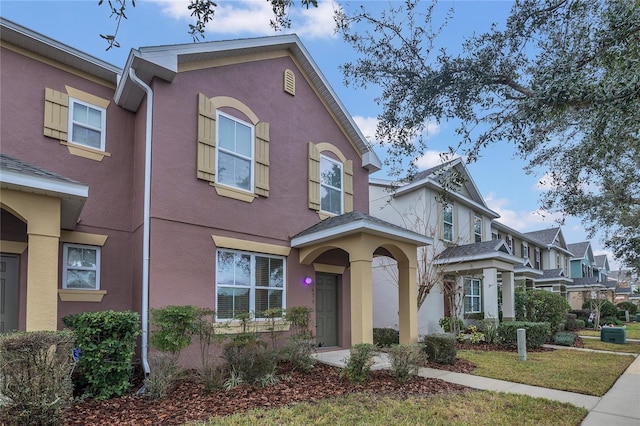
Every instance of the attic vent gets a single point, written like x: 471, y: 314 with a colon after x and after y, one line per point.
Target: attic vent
x: 289, y: 82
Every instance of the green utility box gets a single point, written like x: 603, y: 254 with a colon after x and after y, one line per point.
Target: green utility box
x: 613, y: 335
x: 637, y: 317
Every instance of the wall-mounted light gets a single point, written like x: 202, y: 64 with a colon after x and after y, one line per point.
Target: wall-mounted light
x: 307, y: 280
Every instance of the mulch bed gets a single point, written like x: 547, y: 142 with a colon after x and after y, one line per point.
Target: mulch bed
x: 188, y: 402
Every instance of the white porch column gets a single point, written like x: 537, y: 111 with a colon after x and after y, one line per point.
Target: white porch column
x: 490, y: 292
x: 508, y: 299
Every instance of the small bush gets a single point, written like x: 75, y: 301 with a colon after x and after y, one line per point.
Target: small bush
x: 163, y: 375
x: 106, y: 341
x: 610, y: 320
x: 447, y: 325
x: 35, y: 377
x: 300, y: 319
x: 440, y: 348
x: 580, y: 324
x: 250, y: 359
x: 385, y: 337
x: 172, y: 327
x: 628, y: 306
x: 544, y: 306
x: 564, y: 339
x: 607, y: 309
x: 537, y: 332
x: 299, y: 352
x: 561, y: 327
x: 214, y: 377
x: 570, y: 322
x: 405, y: 360
x: 581, y: 314
x: 358, y: 365
x: 490, y: 330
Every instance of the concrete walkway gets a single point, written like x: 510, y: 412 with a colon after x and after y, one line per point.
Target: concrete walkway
x: 619, y: 406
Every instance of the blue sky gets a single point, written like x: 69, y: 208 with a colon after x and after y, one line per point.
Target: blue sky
x: 498, y: 174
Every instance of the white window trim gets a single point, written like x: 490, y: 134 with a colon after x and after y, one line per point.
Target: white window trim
x: 341, y: 189
x: 473, y: 296
x: 538, y: 258
x: 444, y: 222
x: 252, y: 287
x: 252, y: 160
x: 103, y: 124
x: 525, y: 249
x: 65, y: 267
x: 477, y: 219
x: 509, y: 242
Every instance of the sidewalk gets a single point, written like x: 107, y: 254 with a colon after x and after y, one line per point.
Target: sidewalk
x: 618, y: 407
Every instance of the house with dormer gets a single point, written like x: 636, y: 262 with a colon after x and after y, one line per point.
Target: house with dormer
x: 587, y: 283
x: 463, y: 267
x: 225, y: 174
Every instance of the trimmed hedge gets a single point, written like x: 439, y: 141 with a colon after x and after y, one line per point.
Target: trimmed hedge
x: 440, y: 348
x: 537, y: 332
x: 106, y: 341
x: 564, y: 338
x: 628, y: 306
x: 385, y: 337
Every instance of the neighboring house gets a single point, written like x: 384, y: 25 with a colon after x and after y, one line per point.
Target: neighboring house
x: 463, y: 267
x: 226, y: 175
x: 552, y: 257
x: 602, y: 269
x: 588, y: 282
x: 625, y: 284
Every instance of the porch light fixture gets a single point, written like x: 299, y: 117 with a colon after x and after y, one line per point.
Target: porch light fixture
x: 307, y: 280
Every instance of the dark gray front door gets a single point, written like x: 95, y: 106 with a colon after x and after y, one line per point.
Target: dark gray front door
x: 8, y: 293
x: 326, y: 310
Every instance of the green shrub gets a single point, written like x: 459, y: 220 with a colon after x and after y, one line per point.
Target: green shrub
x: 164, y: 373
x: 581, y: 314
x: 385, y: 337
x: 545, y: 306
x: 571, y: 322
x: 405, y: 360
x: 106, y: 341
x: 300, y: 319
x: 628, y: 306
x: 580, y: 324
x: 447, y: 325
x: 440, y: 348
x: 537, y: 332
x: 561, y: 327
x: 214, y: 377
x: 564, y: 339
x: 35, y: 377
x: 490, y: 330
x: 607, y: 309
x: 251, y: 360
x: 358, y: 364
x: 299, y: 352
x: 172, y: 327
x: 610, y: 320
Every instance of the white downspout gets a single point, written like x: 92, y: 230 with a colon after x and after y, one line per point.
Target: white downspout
x: 145, y: 232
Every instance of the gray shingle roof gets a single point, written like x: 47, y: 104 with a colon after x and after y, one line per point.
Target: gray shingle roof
x: 546, y: 236
x: 552, y: 273
x: 474, y: 249
x: 600, y: 259
x: 10, y: 164
x: 579, y: 250
x: 344, y: 219
x: 586, y: 281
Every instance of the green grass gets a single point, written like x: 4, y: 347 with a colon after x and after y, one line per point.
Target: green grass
x: 589, y: 373
x: 633, y: 331
x: 469, y: 408
x: 629, y: 347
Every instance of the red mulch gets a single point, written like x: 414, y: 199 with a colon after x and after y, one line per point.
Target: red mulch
x: 189, y: 402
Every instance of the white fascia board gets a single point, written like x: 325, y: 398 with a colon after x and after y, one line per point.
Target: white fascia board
x: 359, y: 226
x: 48, y: 186
x: 554, y: 280
x: 509, y: 258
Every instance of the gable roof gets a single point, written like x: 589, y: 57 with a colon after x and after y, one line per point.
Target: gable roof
x: 580, y: 250
x: 554, y: 275
x: 477, y: 251
x: 25, y: 177
x: 601, y: 261
x: 164, y: 61
x: 354, y: 222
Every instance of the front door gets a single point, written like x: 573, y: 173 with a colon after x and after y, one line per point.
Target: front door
x: 8, y: 293
x: 326, y: 310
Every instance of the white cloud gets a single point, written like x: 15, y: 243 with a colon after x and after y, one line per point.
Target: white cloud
x: 367, y: 126
x: 545, y: 183
x: 252, y: 17
x: 434, y: 158
x: 521, y: 220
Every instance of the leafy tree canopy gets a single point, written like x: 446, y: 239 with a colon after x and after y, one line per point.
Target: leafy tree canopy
x: 203, y: 11
x: 560, y: 81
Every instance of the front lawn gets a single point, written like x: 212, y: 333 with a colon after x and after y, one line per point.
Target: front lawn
x: 589, y: 373
x: 633, y: 331
x: 469, y: 408
x: 629, y: 347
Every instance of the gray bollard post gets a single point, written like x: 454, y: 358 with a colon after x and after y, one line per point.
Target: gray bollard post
x: 522, y: 344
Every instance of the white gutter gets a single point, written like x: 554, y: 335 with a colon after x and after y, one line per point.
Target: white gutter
x: 145, y: 232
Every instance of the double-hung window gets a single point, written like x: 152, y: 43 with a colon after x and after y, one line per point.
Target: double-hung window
x: 525, y: 250
x: 472, y: 295
x: 81, y: 267
x: 248, y: 283
x: 235, y: 152
x: 477, y: 228
x: 330, y: 185
x: 538, y: 259
x: 87, y: 124
x: 447, y: 233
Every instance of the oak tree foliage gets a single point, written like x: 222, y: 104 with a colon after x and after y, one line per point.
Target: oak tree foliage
x: 559, y: 81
